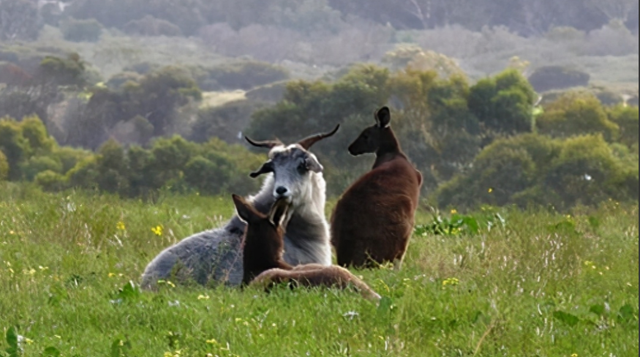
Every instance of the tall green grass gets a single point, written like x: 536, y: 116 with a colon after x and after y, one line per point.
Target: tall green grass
x: 545, y: 284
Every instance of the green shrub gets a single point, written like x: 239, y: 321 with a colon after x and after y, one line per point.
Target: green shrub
x: 88, y: 30
x: 503, y: 172
x: 14, y: 146
x: 50, y: 181
x: 626, y: 117
x: 69, y: 157
x: 37, y: 164
x: 59, y: 71
x: 576, y: 114
x: 4, y: 167
x: 503, y: 103
x: 208, y: 175
x: 112, y: 168
x: 557, y: 77
x: 84, y: 174
x: 585, y: 171
x: 34, y: 130
x: 498, y: 173
x: 118, y: 80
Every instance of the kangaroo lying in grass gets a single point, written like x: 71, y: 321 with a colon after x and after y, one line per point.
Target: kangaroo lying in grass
x: 263, y: 249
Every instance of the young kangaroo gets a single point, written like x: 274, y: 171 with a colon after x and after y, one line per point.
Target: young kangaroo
x: 263, y: 241
x: 373, y: 220
x: 263, y: 249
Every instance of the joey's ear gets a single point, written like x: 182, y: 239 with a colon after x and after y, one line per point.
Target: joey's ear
x: 383, y: 117
x: 312, y: 164
x: 278, y: 212
x: 245, y: 211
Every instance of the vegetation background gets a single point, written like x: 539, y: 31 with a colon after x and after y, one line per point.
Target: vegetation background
x: 121, y: 132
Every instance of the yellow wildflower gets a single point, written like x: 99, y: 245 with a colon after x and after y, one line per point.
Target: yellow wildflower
x: 120, y: 226
x: 171, y: 284
x: 450, y: 281
x: 111, y: 275
x: 203, y: 297
x: 28, y: 341
x: 490, y: 190
x: 157, y: 230
x: 454, y: 211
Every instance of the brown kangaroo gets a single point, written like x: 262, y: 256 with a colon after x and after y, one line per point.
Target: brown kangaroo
x: 263, y: 249
x: 373, y: 220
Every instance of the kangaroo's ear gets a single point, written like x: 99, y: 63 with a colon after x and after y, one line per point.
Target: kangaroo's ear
x: 383, y: 117
x: 278, y: 212
x: 245, y: 211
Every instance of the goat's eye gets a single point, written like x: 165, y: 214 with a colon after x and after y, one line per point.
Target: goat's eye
x: 302, y: 167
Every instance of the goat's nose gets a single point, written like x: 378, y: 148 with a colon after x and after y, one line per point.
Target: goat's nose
x: 281, y: 190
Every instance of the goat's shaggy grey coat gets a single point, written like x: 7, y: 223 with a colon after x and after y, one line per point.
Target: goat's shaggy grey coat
x: 216, y: 255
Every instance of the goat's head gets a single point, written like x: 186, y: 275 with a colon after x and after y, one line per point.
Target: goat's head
x: 370, y: 139
x: 291, y: 165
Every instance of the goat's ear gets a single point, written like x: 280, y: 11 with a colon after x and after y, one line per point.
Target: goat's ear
x: 312, y: 164
x: 265, y: 168
x: 383, y: 117
x: 278, y: 212
x: 245, y: 211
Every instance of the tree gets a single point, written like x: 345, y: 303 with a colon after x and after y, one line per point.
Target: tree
x: 576, y: 114
x: 626, y: 117
x: 587, y: 172
x: 4, y: 167
x: 504, y: 103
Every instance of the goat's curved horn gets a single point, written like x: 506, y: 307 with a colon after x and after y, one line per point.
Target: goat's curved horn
x: 310, y: 140
x: 263, y: 144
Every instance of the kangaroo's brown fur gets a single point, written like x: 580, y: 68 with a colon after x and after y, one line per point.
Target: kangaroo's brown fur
x: 263, y: 249
x: 263, y: 241
x: 373, y: 220
x: 318, y: 275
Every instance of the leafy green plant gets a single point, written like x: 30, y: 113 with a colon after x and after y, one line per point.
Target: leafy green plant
x: 459, y: 224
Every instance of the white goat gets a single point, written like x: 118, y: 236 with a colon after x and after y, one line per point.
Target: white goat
x: 216, y: 255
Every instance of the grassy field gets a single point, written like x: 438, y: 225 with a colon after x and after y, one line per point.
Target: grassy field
x: 544, y: 284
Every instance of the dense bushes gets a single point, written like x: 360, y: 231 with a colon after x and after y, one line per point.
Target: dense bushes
x: 136, y: 112
x: 503, y: 104
x: 4, y: 167
x: 535, y: 169
x: 575, y: 114
x: 27, y: 152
